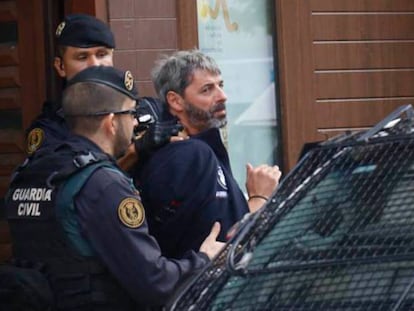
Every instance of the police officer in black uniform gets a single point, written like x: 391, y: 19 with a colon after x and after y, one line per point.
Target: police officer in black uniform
x: 83, y: 41
x: 73, y: 212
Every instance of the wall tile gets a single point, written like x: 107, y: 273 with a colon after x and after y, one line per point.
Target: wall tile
x: 126, y: 60
x: 145, y: 61
x: 121, y: 8
x: 155, y: 8
x: 155, y: 34
x: 141, y: 8
x: 124, y: 33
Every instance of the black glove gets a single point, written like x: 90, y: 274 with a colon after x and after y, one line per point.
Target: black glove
x: 157, y: 135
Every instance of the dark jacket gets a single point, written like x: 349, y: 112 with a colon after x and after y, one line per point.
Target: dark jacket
x: 186, y: 186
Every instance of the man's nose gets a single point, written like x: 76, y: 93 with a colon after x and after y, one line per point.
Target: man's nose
x: 221, y: 95
x: 93, y: 61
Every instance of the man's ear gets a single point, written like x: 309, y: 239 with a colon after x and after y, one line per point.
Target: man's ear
x: 113, y: 123
x: 109, y: 124
x: 175, y: 102
x: 59, y: 67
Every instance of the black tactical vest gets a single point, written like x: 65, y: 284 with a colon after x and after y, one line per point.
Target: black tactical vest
x: 77, y: 282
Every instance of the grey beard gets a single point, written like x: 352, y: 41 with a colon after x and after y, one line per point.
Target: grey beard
x: 203, y: 120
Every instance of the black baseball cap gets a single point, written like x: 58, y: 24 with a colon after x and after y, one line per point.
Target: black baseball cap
x: 84, y: 31
x: 122, y: 81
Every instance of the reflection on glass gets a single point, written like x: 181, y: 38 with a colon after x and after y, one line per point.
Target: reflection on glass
x: 239, y: 35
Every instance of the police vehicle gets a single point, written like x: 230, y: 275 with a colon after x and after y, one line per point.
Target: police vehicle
x: 338, y: 234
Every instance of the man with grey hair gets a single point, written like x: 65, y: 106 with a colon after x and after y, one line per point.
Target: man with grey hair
x: 188, y: 185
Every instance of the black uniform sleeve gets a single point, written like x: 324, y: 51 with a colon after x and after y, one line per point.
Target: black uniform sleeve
x: 131, y: 254
x: 47, y: 129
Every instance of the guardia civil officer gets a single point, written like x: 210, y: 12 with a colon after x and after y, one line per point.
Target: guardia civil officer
x: 83, y: 41
x: 73, y: 212
x: 188, y: 185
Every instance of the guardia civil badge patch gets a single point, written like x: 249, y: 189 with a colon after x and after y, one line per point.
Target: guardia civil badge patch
x: 34, y: 139
x: 131, y: 212
x: 60, y: 28
x: 128, y: 80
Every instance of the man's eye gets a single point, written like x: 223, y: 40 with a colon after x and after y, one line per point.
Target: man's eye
x: 102, y: 54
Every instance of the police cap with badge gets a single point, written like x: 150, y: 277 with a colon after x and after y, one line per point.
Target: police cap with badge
x: 122, y: 81
x: 84, y: 31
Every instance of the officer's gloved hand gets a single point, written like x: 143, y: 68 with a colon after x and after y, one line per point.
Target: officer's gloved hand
x: 157, y: 135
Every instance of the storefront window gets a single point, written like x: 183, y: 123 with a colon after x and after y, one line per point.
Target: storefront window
x: 239, y: 35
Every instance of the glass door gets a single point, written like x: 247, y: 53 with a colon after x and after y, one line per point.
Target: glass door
x: 239, y: 34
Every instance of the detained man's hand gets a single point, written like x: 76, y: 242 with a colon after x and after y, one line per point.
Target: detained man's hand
x: 261, y: 181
